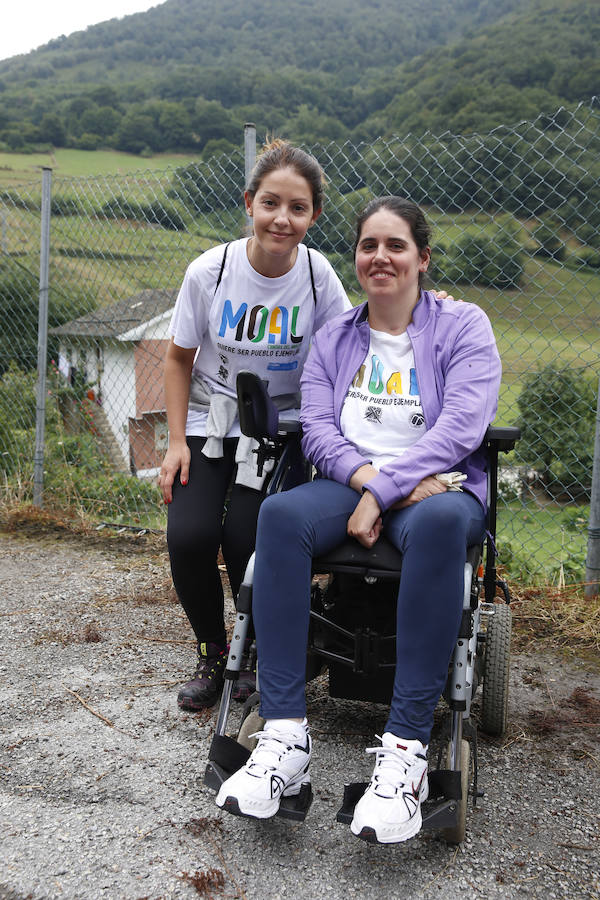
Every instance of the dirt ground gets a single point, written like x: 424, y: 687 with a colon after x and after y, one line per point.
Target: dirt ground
x: 101, y: 775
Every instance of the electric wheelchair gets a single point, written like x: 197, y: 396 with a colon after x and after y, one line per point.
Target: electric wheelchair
x: 352, y: 634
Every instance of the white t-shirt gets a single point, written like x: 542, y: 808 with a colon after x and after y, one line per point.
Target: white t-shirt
x: 252, y: 322
x: 382, y: 414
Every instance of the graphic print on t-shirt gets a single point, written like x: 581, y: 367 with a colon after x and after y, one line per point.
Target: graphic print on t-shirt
x: 382, y: 414
x: 257, y: 323
x: 275, y: 330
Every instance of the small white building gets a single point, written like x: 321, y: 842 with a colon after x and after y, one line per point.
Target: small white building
x: 119, y: 352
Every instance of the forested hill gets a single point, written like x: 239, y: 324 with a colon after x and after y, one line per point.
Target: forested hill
x: 187, y: 74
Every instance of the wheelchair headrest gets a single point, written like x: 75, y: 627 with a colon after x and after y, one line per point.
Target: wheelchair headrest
x: 259, y: 417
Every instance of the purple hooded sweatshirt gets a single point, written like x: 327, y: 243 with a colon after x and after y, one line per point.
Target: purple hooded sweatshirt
x: 458, y: 372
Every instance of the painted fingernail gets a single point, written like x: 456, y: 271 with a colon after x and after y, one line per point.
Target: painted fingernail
x: 184, y: 480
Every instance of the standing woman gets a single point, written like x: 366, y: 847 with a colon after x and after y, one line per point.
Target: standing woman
x: 251, y: 304
x: 394, y: 392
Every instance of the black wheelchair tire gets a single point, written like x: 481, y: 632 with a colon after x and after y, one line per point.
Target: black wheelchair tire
x: 456, y: 835
x: 496, y: 670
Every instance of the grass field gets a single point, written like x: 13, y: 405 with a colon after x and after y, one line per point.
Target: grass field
x: 16, y: 168
x: 535, y: 540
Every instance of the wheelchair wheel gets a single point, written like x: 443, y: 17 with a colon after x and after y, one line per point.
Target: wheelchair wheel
x: 456, y: 835
x: 494, y: 703
x: 251, y: 724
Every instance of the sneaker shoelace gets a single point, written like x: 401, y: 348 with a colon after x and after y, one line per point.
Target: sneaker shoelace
x: 268, y: 751
x: 391, y: 770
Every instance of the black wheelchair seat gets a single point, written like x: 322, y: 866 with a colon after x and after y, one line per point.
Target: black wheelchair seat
x: 382, y: 560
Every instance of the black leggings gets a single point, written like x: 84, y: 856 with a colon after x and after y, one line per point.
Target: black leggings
x: 198, y: 524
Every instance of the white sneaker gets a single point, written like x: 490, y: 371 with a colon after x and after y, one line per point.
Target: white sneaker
x: 278, y: 767
x: 390, y: 809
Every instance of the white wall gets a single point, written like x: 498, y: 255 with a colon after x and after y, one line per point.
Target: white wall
x: 118, y: 391
x: 110, y: 371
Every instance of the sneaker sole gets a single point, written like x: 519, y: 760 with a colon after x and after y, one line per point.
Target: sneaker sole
x: 232, y: 805
x: 369, y: 834
x: 196, y: 707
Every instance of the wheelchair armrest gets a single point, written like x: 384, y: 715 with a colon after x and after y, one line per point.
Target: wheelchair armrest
x: 503, y: 436
x: 259, y: 417
x: 290, y: 426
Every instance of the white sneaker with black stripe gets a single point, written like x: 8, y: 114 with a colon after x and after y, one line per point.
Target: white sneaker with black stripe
x: 277, y: 767
x: 390, y: 809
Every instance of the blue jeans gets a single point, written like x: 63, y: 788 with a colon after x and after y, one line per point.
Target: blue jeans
x: 310, y: 520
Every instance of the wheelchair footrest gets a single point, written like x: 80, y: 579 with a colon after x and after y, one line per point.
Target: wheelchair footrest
x: 226, y: 756
x: 352, y: 794
x: 439, y: 811
x: 295, y: 808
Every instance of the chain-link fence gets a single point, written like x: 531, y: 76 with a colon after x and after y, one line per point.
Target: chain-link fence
x: 516, y: 216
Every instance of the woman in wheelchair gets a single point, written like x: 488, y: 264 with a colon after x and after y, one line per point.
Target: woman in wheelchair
x: 394, y: 393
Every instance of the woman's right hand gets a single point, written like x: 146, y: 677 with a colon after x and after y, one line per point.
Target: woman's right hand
x: 177, y: 459
x: 365, y: 522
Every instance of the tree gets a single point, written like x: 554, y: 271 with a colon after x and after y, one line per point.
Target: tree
x: 175, y: 125
x: 52, y: 129
x: 101, y: 120
x: 211, y: 121
x: 136, y: 131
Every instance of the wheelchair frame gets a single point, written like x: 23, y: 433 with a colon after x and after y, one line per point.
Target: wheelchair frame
x: 449, y: 786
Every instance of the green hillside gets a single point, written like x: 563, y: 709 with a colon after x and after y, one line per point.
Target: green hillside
x: 187, y: 74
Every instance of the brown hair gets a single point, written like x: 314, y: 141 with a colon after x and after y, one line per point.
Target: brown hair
x: 279, y: 154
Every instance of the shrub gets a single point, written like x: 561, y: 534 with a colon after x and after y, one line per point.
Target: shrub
x: 156, y: 213
x: 88, y: 141
x: 17, y: 397
x: 521, y: 567
x: 107, y: 496
x: 19, y: 300
x: 65, y: 206
x: 493, y: 259
x: 588, y: 256
x: 557, y: 406
x: 548, y: 239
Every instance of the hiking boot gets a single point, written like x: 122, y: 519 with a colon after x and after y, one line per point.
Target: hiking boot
x: 205, y: 687
x: 245, y: 685
x: 277, y: 767
x: 390, y: 809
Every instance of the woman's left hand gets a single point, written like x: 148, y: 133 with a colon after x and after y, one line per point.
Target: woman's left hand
x: 425, y: 488
x: 444, y: 295
x: 365, y: 522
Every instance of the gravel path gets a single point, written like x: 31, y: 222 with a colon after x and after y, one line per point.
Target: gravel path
x: 101, y: 775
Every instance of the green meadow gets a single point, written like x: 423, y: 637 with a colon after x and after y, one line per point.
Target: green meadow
x: 17, y: 168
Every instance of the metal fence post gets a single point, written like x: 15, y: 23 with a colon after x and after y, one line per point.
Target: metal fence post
x: 592, y: 566
x: 249, y: 158
x: 40, y: 409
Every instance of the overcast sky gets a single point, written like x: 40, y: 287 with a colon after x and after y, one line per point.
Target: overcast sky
x: 26, y: 24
